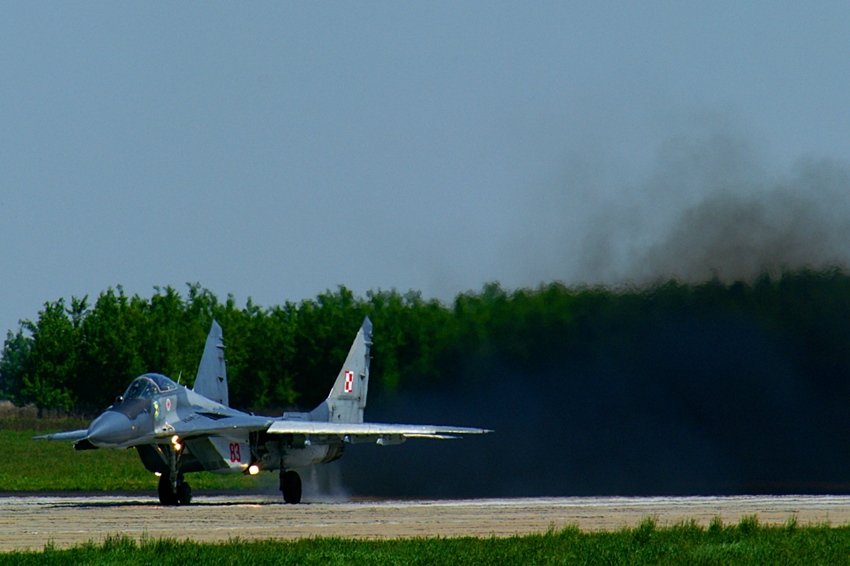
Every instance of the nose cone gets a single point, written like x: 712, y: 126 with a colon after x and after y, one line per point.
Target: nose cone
x: 110, y: 430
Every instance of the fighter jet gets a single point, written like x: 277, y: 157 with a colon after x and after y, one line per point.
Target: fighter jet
x: 177, y: 430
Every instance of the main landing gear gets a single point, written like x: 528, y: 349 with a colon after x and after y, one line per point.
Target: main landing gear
x: 290, y: 485
x: 174, y: 493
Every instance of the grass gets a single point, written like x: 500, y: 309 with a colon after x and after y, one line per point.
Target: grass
x: 40, y: 465
x: 687, y: 543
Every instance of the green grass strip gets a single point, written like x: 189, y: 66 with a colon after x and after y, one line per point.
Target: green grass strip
x: 744, y: 543
x: 41, y: 465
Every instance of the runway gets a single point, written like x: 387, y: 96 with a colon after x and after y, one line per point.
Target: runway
x: 34, y: 521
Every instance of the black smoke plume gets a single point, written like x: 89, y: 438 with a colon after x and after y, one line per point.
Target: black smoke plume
x: 734, y: 234
x: 684, y: 401
x: 738, y: 395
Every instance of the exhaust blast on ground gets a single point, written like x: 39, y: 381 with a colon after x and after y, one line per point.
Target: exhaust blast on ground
x: 668, y: 401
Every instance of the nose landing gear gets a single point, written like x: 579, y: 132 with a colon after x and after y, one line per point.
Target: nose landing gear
x: 174, y: 493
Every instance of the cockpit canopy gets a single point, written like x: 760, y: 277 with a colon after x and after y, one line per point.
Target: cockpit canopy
x: 147, y: 385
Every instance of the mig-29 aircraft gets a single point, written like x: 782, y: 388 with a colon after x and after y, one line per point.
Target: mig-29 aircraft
x: 178, y: 430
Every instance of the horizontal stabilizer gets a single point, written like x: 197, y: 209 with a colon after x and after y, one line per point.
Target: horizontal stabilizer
x: 370, y: 429
x: 70, y: 435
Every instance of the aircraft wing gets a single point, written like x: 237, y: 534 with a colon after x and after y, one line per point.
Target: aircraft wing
x: 370, y: 430
x: 69, y: 435
x: 207, y: 424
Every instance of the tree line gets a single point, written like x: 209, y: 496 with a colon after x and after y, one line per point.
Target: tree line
x: 79, y: 354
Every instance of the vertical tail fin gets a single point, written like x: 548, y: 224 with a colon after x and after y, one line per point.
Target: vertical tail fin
x: 347, y: 399
x: 211, y: 381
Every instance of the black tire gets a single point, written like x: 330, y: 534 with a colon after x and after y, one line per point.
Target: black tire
x: 166, y: 494
x: 291, y: 487
x: 184, y: 493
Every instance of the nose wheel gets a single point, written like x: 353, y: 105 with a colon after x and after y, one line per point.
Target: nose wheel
x: 174, y: 493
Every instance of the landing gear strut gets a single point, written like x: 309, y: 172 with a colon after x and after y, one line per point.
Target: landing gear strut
x: 172, y: 489
x: 290, y: 485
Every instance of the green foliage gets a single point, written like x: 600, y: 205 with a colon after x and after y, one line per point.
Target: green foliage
x: 13, y: 360
x: 685, y: 543
x: 43, y: 369
x: 78, y: 357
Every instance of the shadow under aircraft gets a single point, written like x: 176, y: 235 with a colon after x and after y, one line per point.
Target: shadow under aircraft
x: 177, y: 430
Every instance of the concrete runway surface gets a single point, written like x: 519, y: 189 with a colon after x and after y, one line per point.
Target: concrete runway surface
x: 33, y: 521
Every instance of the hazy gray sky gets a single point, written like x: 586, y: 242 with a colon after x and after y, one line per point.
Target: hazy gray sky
x: 277, y: 150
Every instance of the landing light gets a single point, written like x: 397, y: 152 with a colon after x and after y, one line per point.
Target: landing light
x: 254, y: 469
x: 158, y: 474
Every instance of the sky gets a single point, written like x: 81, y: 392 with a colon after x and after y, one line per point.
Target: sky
x: 277, y: 150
